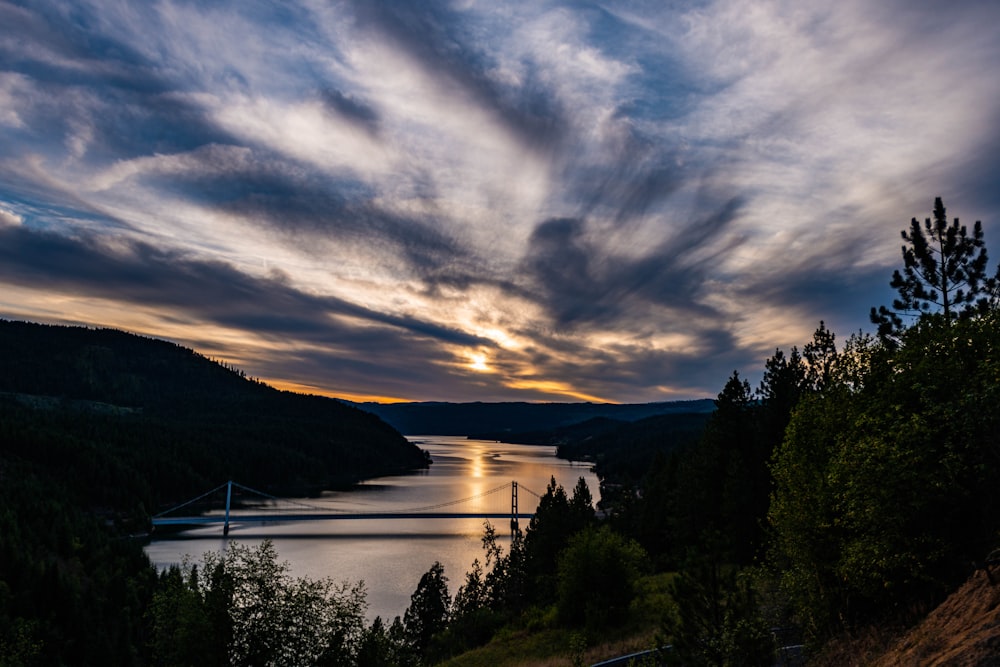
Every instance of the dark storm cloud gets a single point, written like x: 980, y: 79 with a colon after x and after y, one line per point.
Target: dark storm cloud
x: 977, y: 189
x: 581, y: 283
x: 634, y: 177
x: 841, y: 301
x: 352, y: 109
x: 88, y: 82
x: 304, y: 207
x: 822, y: 275
x: 441, y: 42
x: 210, y: 290
x: 632, y: 369
x: 53, y: 207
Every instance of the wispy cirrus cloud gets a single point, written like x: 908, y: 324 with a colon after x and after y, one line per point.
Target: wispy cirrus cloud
x: 478, y: 201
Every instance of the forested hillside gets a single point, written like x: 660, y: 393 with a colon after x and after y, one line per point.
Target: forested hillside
x: 855, y: 486
x: 622, y: 451
x: 624, y: 455
x: 151, y: 421
x: 98, y: 429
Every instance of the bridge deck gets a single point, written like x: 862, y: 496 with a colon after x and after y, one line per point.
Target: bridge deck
x: 315, y: 516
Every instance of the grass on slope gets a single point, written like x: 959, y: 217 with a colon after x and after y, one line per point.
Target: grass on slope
x: 537, y: 641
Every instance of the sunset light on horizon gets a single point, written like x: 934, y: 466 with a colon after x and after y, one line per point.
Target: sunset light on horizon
x: 479, y: 201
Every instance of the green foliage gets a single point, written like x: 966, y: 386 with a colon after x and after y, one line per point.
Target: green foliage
x: 885, y: 479
x: 819, y: 356
x: 721, y: 483
x: 577, y: 646
x: 527, y: 573
x: 889, y: 461
x: 473, y: 594
x: 72, y: 590
x: 506, y: 581
x: 649, y: 517
x: 716, y: 618
x: 488, y: 598
x: 597, y: 575
x: 802, y: 514
x: 783, y: 383
x: 429, y: 610
x: 19, y: 644
x: 557, y: 518
x: 182, y: 632
x: 381, y: 646
x: 244, y: 608
x: 624, y: 454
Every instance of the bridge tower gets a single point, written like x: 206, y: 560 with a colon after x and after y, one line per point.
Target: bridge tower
x: 229, y: 497
x: 513, y: 509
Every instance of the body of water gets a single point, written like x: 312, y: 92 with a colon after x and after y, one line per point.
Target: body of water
x: 390, y: 555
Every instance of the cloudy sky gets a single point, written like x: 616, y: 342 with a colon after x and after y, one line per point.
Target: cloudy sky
x: 484, y: 200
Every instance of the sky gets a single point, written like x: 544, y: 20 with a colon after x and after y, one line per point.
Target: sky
x: 480, y: 200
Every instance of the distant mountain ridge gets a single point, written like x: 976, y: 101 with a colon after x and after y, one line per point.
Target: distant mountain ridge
x: 494, y: 420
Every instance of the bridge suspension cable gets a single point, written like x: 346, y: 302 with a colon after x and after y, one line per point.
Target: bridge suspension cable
x: 522, y: 487
x: 319, y: 508
x: 430, y: 508
x: 192, y: 501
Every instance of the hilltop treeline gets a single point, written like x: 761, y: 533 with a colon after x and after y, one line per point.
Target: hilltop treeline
x: 856, y: 485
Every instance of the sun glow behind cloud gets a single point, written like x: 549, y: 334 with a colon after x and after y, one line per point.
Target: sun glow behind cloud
x: 471, y: 201
x: 555, y: 388
x: 477, y: 362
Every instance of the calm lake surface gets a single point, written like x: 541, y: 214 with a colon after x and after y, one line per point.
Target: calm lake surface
x: 391, y: 555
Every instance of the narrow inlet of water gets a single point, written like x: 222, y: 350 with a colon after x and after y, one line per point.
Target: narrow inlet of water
x: 390, y: 555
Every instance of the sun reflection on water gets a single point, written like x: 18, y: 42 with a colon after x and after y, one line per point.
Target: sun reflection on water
x: 475, y: 477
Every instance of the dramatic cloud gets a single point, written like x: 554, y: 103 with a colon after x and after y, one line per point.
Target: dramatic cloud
x: 468, y: 200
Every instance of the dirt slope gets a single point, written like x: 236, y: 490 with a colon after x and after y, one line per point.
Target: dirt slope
x: 964, y: 631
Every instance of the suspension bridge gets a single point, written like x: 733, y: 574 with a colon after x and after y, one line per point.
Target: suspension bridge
x: 275, y: 509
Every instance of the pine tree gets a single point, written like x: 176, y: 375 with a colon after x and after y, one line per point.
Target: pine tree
x: 820, y: 356
x: 944, y: 272
x: 429, y: 608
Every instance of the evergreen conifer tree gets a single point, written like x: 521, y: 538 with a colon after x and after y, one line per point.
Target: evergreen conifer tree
x: 944, y: 272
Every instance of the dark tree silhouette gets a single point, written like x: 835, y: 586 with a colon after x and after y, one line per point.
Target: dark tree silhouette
x: 820, y: 355
x: 597, y: 577
x: 428, y: 612
x: 944, y: 271
x: 556, y: 520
